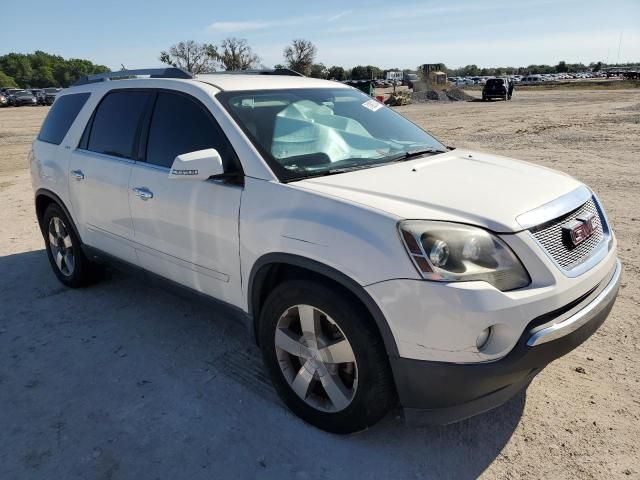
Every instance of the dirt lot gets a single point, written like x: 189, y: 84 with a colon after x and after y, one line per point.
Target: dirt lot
x: 124, y: 380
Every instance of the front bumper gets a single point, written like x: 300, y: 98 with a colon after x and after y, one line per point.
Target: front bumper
x: 441, y: 393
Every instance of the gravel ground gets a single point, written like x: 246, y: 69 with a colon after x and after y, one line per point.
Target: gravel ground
x: 124, y: 380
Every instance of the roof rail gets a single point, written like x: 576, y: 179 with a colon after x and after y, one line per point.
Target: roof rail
x: 266, y: 71
x: 169, y: 72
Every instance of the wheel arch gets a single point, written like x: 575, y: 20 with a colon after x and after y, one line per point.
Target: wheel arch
x: 267, y: 272
x: 43, y: 199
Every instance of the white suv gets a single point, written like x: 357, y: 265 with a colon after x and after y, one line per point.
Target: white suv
x: 372, y: 263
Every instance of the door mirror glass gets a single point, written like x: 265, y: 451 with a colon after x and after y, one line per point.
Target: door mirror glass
x: 198, y: 165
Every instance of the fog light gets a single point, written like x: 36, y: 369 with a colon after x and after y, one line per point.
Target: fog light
x: 483, y: 338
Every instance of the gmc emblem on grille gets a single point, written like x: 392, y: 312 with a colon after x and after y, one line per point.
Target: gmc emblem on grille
x: 577, y: 231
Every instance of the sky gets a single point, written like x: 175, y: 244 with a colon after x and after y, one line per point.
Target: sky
x: 398, y: 33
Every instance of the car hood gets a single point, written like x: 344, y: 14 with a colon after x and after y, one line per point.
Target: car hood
x: 459, y: 186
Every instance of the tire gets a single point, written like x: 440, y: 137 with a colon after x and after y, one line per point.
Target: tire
x: 64, y: 251
x: 484, y: 98
x: 365, y: 392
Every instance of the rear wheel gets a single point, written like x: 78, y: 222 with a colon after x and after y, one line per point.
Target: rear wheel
x: 64, y: 251
x: 325, y: 357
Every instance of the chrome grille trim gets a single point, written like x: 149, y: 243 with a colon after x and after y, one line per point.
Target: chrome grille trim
x: 554, y: 209
x: 549, y: 237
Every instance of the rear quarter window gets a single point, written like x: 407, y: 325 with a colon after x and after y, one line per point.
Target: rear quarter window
x: 62, y: 114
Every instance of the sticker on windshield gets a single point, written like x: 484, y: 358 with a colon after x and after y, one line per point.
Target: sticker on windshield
x: 372, y: 105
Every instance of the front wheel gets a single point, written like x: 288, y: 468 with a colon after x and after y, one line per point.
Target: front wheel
x: 325, y: 357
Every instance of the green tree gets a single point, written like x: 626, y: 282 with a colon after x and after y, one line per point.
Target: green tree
x: 362, y: 72
x: 6, y: 80
x: 318, y: 70
x: 300, y: 56
x: 470, y: 71
x: 359, y: 72
x: 41, y: 69
x: 337, y: 73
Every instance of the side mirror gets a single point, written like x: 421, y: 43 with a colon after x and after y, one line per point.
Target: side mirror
x: 198, y: 165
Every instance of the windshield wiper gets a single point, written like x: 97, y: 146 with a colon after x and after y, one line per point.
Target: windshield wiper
x: 413, y: 153
x: 383, y: 161
x: 334, y: 171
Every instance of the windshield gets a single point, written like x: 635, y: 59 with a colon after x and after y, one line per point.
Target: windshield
x: 51, y: 90
x: 310, y: 132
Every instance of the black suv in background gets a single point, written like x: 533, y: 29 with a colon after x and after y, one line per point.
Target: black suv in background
x: 50, y: 95
x: 497, y: 88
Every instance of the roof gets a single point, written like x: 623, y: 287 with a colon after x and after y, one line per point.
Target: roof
x: 233, y: 82
x: 224, y: 81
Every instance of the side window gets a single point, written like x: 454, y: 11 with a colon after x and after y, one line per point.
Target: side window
x: 116, y: 123
x: 181, y: 125
x: 63, y: 113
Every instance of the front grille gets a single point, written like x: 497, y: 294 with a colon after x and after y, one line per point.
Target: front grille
x: 549, y: 235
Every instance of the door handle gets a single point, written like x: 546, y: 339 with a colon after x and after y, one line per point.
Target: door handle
x: 143, y: 192
x: 77, y: 174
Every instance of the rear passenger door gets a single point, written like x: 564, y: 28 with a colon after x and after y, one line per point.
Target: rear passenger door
x: 100, y: 169
x: 186, y: 230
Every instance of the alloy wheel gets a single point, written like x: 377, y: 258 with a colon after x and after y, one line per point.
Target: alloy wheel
x: 316, y: 358
x: 61, y: 246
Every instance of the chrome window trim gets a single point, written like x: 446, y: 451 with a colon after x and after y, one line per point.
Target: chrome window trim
x: 152, y: 166
x: 555, y: 208
x: 91, y: 153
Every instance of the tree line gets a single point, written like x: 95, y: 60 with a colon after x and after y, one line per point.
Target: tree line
x: 236, y: 54
x: 300, y: 56
x: 40, y: 69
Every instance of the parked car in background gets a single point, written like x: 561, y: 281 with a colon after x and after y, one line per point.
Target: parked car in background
x: 531, y: 80
x: 50, y: 95
x: 496, y: 88
x: 410, y: 79
x: 39, y: 94
x: 464, y: 81
x: 3, y: 101
x: 9, y: 92
x: 368, y: 260
x: 22, y: 98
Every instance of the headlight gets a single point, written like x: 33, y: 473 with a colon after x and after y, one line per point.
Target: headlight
x: 451, y: 252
